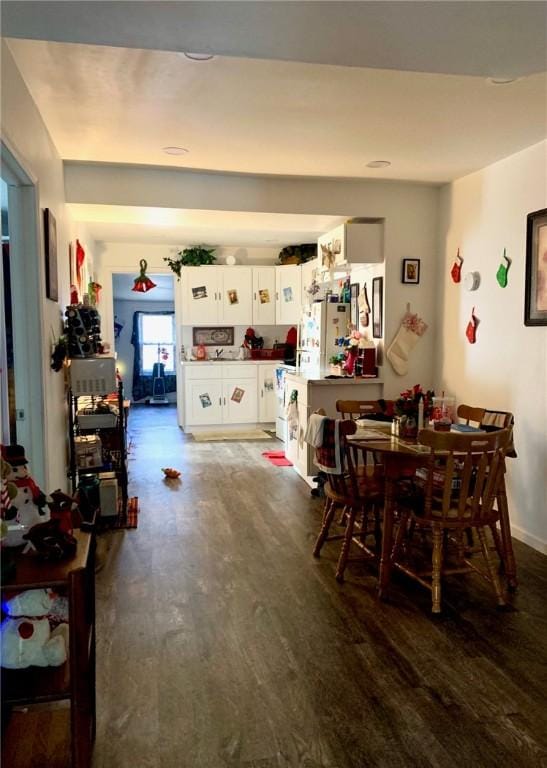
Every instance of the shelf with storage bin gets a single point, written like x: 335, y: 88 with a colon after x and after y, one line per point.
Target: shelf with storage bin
x: 105, y: 432
x: 39, y: 688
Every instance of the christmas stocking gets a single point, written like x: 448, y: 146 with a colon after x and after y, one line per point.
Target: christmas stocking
x: 406, y: 338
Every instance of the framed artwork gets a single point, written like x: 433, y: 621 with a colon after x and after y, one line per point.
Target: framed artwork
x: 377, y: 307
x: 535, y: 289
x: 50, y: 250
x: 411, y: 271
x: 354, y: 305
x: 213, y: 337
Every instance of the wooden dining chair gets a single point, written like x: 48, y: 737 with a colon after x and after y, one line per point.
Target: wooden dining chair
x: 355, y: 497
x: 458, y: 490
x: 355, y: 409
x: 491, y: 420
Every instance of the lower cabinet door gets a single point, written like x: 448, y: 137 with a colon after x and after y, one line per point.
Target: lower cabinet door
x: 267, y: 398
x: 239, y: 400
x: 204, y: 402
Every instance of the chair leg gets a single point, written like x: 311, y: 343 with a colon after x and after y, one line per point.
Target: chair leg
x: 498, y: 544
x: 490, y: 566
x: 437, y: 562
x: 399, y: 537
x: 505, y: 528
x: 342, y: 517
x: 346, y: 546
x: 325, y: 526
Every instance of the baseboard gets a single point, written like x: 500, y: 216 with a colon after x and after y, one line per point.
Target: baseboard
x: 528, y: 538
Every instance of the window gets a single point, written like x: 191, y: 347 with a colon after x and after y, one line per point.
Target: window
x: 157, y: 339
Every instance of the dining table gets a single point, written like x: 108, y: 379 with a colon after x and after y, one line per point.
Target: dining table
x: 401, y: 456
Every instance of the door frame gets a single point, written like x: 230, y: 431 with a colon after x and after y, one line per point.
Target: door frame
x: 27, y: 279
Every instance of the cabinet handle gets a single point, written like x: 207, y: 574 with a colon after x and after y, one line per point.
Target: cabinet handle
x: 276, y: 296
x: 220, y: 401
x: 224, y: 401
x: 255, y: 295
x: 261, y: 393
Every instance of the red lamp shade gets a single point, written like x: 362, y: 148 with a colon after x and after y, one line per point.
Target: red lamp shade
x: 143, y: 283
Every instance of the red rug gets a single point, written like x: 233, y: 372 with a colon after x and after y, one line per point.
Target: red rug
x: 277, y: 458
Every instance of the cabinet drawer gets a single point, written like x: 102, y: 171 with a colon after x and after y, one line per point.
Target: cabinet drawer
x: 203, y: 371
x: 239, y: 371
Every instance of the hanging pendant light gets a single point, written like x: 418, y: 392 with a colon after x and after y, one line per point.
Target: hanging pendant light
x: 143, y: 284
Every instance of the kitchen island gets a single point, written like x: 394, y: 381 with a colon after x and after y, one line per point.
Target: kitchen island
x: 314, y: 392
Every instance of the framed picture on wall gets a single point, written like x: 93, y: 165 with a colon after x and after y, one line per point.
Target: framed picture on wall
x: 354, y: 305
x: 377, y: 307
x: 50, y: 250
x: 411, y: 271
x: 535, y: 289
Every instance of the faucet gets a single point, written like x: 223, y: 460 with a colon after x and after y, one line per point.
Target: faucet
x: 218, y: 353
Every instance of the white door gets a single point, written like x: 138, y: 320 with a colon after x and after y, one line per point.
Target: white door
x: 201, y: 292
x: 267, y: 397
x: 203, y: 402
x: 239, y: 401
x: 236, y: 291
x: 288, y: 294
x: 264, y: 295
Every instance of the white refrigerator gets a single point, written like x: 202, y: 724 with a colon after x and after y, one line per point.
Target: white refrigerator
x: 322, y: 323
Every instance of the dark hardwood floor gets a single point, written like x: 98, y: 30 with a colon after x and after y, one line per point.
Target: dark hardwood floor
x: 221, y: 641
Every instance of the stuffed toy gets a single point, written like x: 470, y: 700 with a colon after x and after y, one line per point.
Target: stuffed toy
x: 30, y: 642
x: 49, y: 542
x: 170, y: 473
x: 28, y: 506
x: 64, y: 508
x: 8, y: 489
x: 27, y: 637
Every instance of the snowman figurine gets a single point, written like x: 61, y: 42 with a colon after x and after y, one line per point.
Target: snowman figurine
x: 29, y: 506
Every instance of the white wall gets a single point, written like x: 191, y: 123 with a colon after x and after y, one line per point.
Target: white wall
x: 506, y: 369
x: 409, y: 212
x: 25, y: 134
x: 124, y: 310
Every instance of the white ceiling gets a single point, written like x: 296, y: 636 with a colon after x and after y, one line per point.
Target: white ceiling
x: 280, y: 102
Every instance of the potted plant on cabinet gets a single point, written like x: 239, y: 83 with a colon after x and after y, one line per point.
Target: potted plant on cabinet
x: 194, y: 256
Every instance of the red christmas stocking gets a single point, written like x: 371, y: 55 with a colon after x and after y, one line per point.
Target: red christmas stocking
x: 471, y: 330
x: 456, y: 270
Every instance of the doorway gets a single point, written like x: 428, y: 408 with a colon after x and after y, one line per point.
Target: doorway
x: 145, y: 341
x: 22, y: 400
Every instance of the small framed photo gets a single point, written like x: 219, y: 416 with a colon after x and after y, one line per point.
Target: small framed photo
x: 50, y: 249
x: 377, y: 307
x: 535, y: 288
x: 411, y: 271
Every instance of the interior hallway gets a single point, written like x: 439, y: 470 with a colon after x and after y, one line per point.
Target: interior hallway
x: 222, y: 642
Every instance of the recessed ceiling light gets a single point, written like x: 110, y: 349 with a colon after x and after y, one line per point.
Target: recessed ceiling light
x: 175, y: 151
x: 378, y: 164
x: 199, y: 56
x: 501, y: 80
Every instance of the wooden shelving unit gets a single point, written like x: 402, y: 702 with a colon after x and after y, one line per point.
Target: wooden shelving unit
x: 42, y: 689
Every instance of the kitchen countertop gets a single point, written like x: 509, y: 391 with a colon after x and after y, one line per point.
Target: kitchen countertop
x: 227, y: 361
x: 322, y: 381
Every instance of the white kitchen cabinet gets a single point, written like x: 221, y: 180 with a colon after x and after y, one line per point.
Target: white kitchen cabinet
x: 352, y: 243
x: 307, y: 273
x: 216, y: 294
x: 288, y: 286
x: 264, y: 303
x: 200, y: 290
x: 203, y: 402
x: 267, y: 397
x: 219, y: 394
x: 235, y: 295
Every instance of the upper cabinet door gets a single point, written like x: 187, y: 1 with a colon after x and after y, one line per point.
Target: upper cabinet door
x: 288, y: 294
x: 236, y: 295
x: 201, y: 295
x: 264, y: 295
